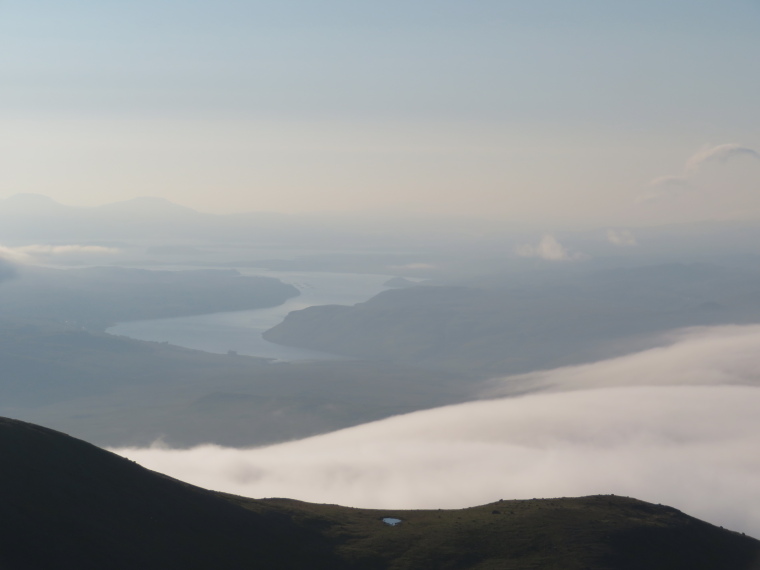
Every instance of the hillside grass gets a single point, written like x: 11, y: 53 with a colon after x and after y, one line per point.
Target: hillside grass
x: 599, y: 532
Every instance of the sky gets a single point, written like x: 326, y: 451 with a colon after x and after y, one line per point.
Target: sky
x: 676, y: 425
x: 550, y: 112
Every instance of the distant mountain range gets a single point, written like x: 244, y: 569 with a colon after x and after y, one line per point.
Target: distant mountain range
x: 29, y: 218
x: 37, y: 217
x: 38, y: 204
x: 68, y: 504
x: 34, y: 218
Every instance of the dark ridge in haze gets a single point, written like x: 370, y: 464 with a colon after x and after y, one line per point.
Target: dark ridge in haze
x: 502, y: 326
x: 97, y: 297
x: 66, y: 503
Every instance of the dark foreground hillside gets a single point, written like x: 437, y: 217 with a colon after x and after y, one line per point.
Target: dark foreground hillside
x: 68, y: 504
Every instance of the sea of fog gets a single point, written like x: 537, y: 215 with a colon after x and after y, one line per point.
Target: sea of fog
x: 677, y: 425
x: 241, y: 331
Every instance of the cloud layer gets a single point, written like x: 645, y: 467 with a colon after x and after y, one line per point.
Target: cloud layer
x: 699, y: 356
x: 657, y: 436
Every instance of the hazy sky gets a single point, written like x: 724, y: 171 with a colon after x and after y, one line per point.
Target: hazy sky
x: 546, y: 110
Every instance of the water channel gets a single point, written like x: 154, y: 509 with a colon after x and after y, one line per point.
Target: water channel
x: 240, y: 331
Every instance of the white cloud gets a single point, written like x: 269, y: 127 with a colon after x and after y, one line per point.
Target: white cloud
x: 691, y: 447
x: 52, y: 250
x: 548, y: 248
x: 684, y: 433
x: 669, y: 185
x: 623, y: 238
x: 13, y: 255
x: 35, y: 252
x: 720, y: 153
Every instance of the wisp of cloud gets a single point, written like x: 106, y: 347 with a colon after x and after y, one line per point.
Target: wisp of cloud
x: 622, y: 238
x: 548, y: 248
x: 41, y: 252
x: 720, y: 153
x: 669, y: 185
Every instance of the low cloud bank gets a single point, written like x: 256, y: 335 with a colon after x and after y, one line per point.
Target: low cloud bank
x: 41, y: 252
x: 705, y: 356
x: 690, y: 446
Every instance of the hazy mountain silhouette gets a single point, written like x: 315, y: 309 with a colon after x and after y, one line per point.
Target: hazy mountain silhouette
x: 510, y: 324
x: 149, y: 206
x: 34, y: 204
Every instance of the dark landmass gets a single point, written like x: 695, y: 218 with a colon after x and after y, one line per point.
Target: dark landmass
x: 118, y: 391
x: 66, y: 503
x: 508, y: 325
x: 97, y: 297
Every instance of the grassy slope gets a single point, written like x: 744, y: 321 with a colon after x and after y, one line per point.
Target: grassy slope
x: 66, y: 503
x: 598, y: 532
